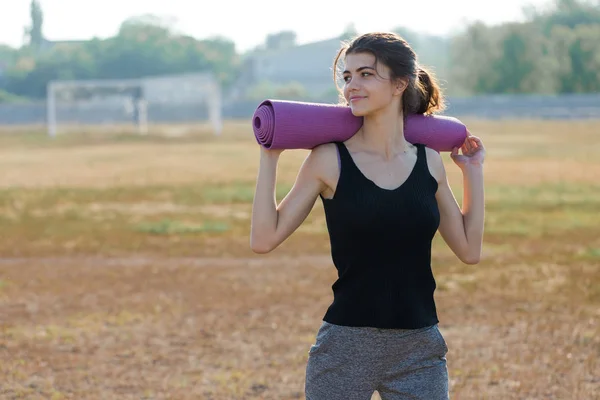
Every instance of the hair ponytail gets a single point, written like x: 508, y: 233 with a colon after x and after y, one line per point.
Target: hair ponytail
x: 423, y: 95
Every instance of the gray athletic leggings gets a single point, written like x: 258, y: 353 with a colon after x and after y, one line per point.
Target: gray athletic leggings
x: 350, y: 363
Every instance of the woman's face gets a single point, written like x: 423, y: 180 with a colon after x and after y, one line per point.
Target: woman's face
x: 368, y: 87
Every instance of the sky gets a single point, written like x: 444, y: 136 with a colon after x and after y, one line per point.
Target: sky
x: 248, y: 22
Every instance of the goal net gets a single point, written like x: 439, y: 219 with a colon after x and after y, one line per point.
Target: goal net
x: 172, y: 99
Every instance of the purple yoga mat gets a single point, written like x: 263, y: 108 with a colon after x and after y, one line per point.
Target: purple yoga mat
x: 284, y: 124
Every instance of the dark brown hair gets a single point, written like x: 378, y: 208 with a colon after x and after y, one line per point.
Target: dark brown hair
x: 422, y: 95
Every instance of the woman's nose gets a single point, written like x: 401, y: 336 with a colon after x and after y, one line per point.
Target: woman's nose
x: 353, y: 85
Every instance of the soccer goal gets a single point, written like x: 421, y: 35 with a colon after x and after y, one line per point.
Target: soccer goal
x: 171, y: 99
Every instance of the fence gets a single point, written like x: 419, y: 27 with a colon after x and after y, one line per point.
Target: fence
x: 486, y: 107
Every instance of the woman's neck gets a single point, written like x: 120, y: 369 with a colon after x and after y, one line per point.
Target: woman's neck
x: 383, y: 133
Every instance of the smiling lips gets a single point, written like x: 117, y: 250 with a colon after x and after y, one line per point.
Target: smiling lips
x: 355, y: 98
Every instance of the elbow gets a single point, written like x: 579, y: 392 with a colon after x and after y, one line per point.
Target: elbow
x: 260, y: 246
x: 261, y: 249
x: 471, y: 259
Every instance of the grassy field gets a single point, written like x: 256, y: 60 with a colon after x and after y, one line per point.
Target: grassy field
x: 126, y: 273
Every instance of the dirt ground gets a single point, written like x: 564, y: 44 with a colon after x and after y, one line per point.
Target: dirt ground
x: 91, y: 308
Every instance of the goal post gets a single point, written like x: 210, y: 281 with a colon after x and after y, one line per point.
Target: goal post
x: 90, y: 102
x: 185, y: 98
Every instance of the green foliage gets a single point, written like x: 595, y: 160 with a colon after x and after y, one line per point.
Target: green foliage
x: 6, y: 97
x: 577, y: 51
x: 35, y: 31
x: 556, y: 50
x: 7, y: 54
x: 513, y: 58
x: 567, y: 13
x: 144, y: 46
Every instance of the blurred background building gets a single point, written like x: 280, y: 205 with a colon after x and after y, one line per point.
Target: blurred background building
x: 544, y: 65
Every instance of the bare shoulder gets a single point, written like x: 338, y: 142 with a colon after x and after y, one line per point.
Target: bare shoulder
x: 324, y: 149
x: 324, y: 157
x: 324, y: 161
x: 435, y: 164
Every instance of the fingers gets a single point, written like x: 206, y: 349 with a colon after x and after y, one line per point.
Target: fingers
x: 477, y: 142
x: 471, y: 145
x: 455, y: 156
x: 466, y: 147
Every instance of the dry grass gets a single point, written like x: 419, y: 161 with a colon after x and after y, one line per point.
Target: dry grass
x: 126, y: 273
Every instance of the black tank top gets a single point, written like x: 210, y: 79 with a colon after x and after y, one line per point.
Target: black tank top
x: 381, y: 247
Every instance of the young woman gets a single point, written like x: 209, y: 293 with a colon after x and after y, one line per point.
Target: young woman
x: 384, y: 200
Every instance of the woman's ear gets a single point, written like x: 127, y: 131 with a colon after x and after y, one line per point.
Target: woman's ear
x: 400, y: 86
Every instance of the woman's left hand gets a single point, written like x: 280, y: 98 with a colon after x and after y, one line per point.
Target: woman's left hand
x: 473, y: 152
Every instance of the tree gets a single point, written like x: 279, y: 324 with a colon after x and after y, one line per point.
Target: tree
x: 471, y: 57
x: 350, y: 32
x: 569, y: 13
x: 144, y: 46
x: 148, y: 47
x: 6, y: 97
x: 556, y: 51
x: 35, y: 31
x: 523, y: 64
x: 577, y: 52
x: 7, y: 53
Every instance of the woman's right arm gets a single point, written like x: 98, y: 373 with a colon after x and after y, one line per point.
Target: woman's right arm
x: 271, y: 223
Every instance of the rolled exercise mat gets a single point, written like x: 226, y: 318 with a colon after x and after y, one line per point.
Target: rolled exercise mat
x: 284, y: 124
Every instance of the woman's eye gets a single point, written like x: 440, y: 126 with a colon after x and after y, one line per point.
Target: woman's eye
x: 363, y: 74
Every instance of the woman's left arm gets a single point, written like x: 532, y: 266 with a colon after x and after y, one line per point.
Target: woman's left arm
x: 462, y: 229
